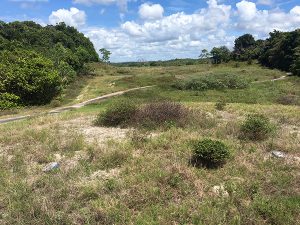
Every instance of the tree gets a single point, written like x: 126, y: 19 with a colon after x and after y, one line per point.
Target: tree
x: 105, y: 54
x: 28, y: 76
x: 205, y: 55
x: 244, y: 47
x: 281, y: 51
x: 220, y: 54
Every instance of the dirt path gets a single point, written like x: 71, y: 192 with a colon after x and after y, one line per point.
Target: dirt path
x: 263, y: 81
x: 76, y: 106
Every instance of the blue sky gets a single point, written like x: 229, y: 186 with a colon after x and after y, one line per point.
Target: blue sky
x: 159, y: 29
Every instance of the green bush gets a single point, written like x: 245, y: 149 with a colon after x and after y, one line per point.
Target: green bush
x: 215, y: 81
x: 220, y: 105
x: 8, y: 101
x: 118, y: 114
x: 210, y: 153
x: 29, y: 76
x: 256, y: 127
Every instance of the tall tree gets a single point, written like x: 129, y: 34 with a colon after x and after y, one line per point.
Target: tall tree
x: 220, y: 54
x: 105, y: 54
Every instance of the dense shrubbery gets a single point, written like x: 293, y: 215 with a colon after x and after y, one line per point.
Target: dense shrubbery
x: 161, y: 114
x: 256, y: 127
x: 151, y: 115
x: 8, y: 101
x: 36, y: 61
x: 210, y: 153
x: 118, y: 114
x: 282, y: 51
x: 209, y: 82
x: 29, y: 76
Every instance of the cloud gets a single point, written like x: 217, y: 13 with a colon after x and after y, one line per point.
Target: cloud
x: 246, y: 10
x: 261, y: 22
x: 180, y: 35
x: 265, y: 2
x: 122, y: 4
x: 73, y: 17
x: 151, y: 11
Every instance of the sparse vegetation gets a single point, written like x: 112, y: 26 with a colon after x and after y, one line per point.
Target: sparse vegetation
x: 126, y: 174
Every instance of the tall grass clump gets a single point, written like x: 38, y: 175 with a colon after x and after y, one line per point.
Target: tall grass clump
x: 256, y: 127
x: 210, y: 153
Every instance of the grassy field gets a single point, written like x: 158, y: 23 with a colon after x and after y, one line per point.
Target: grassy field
x: 111, y: 175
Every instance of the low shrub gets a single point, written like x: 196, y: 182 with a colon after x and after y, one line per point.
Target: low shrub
x: 220, y: 105
x: 256, y: 127
x: 118, y: 114
x: 151, y: 115
x: 288, y: 100
x: 161, y: 114
x: 215, y: 81
x: 210, y: 153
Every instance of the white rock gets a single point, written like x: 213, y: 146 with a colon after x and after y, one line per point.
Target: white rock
x: 278, y: 154
x: 51, y: 166
x: 220, y: 190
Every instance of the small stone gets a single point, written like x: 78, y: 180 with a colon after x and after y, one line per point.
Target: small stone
x: 278, y: 154
x: 51, y: 166
x: 220, y: 190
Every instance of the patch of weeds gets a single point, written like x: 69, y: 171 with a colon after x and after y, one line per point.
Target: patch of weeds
x: 111, y: 159
x: 280, y: 210
x: 165, y: 114
x: 210, y: 153
x: 288, y: 100
x: 221, y: 104
x: 256, y: 127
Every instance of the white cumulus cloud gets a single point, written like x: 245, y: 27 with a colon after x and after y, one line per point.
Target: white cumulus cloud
x: 73, y: 17
x: 247, y: 10
x: 151, y: 11
x: 261, y: 22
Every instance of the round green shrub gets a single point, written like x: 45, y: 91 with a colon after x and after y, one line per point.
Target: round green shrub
x: 118, y: 114
x: 256, y: 127
x: 210, y: 153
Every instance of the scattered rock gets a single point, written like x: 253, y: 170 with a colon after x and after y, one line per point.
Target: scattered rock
x: 220, y: 191
x: 51, y: 166
x: 278, y: 154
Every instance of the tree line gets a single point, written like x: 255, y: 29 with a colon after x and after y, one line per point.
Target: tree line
x: 36, y: 62
x: 280, y: 51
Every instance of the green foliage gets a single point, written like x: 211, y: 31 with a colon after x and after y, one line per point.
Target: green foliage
x: 8, y: 101
x: 118, y: 114
x: 210, y: 153
x: 37, y: 78
x: 216, y: 81
x: 256, y: 127
x: 29, y: 76
x: 221, y: 104
x: 281, y: 51
x: 220, y: 54
x: 105, y: 54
